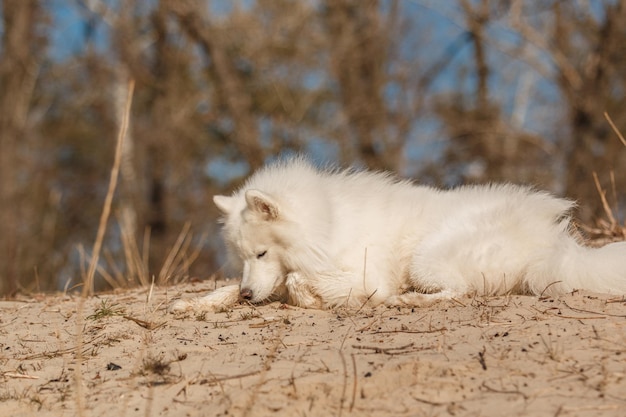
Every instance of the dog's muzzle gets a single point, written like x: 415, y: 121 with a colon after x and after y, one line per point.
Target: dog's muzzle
x: 245, y: 293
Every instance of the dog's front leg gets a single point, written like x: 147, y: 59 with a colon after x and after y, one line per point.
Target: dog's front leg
x: 219, y: 299
x: 300, y: 292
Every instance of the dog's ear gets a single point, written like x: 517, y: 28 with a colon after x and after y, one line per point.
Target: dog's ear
x: 262, y: 204
x: 224, y: 203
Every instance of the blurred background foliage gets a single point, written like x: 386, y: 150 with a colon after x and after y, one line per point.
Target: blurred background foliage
x: 446, y: 92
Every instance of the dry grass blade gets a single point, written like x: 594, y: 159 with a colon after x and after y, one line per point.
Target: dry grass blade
x: 173, y: 255
x: 605, y: 203
x: 18, y: 376
x: 136, y: 260
x: 146, y: 324
x: 399, y: 350
x: 608, y: 230
x: 615, y: 129
x: 354, y: 383
x: 179, y: 258
x: 344, y: 386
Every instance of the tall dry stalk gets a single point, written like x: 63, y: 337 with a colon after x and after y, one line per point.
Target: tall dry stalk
x: 106, y: 209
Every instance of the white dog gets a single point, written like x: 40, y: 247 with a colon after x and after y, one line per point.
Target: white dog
x: 325, y: 238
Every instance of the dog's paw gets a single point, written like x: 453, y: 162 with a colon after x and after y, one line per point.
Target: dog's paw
x: 220, y: 299
x: 181, y: 306
x: 300, y: 292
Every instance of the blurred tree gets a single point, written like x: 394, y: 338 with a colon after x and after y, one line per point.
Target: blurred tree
x: 359, y: 47
x: 486, y: 143
x: 589, y: 49
x: 227, y: 77
x: 20, y: 60
x: 576, y: 47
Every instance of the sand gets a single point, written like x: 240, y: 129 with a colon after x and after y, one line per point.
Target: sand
x: 122, y: 354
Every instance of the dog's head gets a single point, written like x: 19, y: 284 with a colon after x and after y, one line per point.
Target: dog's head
x: 252, y: 230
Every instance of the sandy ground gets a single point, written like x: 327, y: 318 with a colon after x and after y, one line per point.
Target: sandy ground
x: 122, y: 354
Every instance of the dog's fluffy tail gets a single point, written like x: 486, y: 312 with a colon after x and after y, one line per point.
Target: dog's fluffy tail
x: 569, y: 266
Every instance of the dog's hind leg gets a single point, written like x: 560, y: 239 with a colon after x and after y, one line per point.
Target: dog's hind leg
x: 433, y: 276
x: 219, y: 299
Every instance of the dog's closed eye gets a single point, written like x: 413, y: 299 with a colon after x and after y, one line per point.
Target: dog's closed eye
x: 261, y: 254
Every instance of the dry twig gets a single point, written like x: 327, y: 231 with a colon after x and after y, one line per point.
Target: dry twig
x: 388, y: 351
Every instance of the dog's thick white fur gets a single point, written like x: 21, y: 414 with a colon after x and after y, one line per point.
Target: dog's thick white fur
x: 323, y: 238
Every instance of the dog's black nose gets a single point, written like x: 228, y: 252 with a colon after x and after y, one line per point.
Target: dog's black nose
x: 246, y: 293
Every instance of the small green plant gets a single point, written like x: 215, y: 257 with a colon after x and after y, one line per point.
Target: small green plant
x: 106, y: 309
